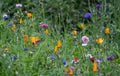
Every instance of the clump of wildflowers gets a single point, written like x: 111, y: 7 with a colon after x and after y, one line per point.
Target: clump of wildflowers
x: 69, y: 70
x: 99, y: 40
x: 110, y: 58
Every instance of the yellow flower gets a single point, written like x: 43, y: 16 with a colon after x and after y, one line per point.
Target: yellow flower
x: 56, y: 49
x: 25, y: 37
x: 34, y: 40
x: 94, y: 67
x: 21, y: 21
x: 5, y: 49
x: 107, y: 30
x: 82, y: 26
x: 59, y: 44
x: 99, y: 40
x: 46, y: 31
x: 13, y: 28
x: 29, y: 15
x: 37, y: 39
x: 75, y: 32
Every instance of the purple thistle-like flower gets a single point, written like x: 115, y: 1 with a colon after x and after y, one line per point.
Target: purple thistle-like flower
x: 110, y: 58
x: 44, y: 25
x: 98, y: 6
x: 85, y: 39
x: 87, y: 15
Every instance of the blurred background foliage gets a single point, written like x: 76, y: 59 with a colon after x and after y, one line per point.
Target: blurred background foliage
x: 68, y: 13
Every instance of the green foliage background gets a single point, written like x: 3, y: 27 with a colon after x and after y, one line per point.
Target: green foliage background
x: 58, y: 14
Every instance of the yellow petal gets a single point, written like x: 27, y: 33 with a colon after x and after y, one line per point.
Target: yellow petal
x: 55, y: 49
x: 29, y: 15
x: 21, y: 21
x: 46, y: 31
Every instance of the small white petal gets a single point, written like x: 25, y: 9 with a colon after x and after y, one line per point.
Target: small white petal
x: 4, y: 55
x: 84, y: 44
x: 16, y: 72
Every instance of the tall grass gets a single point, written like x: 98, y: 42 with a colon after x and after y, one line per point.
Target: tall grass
x: 62, y: 17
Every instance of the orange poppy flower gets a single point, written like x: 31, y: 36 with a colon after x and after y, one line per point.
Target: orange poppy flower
x: 25, y: 37
x: 107, y: 30
x: 29, y: 15
x: 94, y: 67
x: 75, y: 32
x: 59, y: 44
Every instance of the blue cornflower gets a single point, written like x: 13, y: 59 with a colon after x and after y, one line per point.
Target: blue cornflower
x: 25, y: 49
x: 65, y: 63
x: 6, y: 17
x: 87, y: 15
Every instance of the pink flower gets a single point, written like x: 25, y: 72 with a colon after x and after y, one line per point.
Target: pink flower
x: 85, y: 39
x: 18, y: 5
x: 44, y: 25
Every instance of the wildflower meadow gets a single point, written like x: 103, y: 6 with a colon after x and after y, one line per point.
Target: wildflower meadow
x: 59, y: 38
